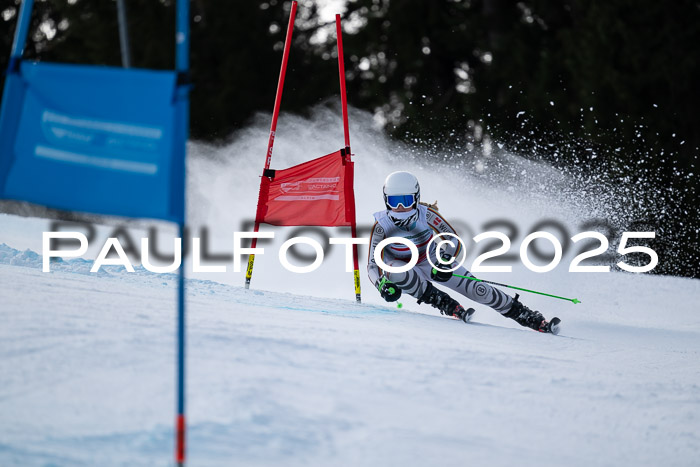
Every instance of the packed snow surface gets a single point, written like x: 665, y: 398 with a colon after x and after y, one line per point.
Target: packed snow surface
x: 87, y: 371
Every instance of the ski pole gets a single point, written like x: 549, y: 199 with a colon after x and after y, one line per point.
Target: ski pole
x: 573, y: 300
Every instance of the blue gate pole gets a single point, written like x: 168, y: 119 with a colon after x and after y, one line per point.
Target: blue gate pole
x: 182, y: 38
x: 25, y: 15
x: 13, y: 91
x: 180, y: 422
x: 124, y: 34
x: 182, y: 63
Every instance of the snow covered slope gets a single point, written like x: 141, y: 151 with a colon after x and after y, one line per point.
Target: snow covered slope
x: 87, y: 373
x: 293, y: 372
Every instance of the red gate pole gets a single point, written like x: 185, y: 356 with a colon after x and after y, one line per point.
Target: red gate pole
x: 341, y: 69
x: 273, y: 129
x: 346, y: 130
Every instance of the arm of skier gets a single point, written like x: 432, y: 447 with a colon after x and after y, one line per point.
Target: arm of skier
x: 440, y: 225
x: 373, y: 270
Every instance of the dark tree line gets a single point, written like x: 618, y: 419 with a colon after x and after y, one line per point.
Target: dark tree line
x: 552, y: 79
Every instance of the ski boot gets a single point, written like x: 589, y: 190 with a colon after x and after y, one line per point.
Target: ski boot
x: 446, y: 304
x: 531, y: 319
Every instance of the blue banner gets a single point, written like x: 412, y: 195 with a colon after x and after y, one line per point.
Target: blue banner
x: 95, y: 139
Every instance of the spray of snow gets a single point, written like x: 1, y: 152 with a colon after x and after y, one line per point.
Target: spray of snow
x: 474, y: 190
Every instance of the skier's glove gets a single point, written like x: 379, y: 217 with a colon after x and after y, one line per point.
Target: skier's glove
x: 388, y: 290
x: 441, y: 272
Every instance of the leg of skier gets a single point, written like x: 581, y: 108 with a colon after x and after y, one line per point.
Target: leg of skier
x: 416, y: 283
x: 492, y: 297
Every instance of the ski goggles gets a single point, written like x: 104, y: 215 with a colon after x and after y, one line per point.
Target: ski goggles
x: 394, y: 201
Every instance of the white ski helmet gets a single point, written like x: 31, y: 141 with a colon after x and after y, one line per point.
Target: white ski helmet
x: 399, y: 184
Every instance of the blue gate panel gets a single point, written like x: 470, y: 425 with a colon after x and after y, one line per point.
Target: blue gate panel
x: 94, y: 139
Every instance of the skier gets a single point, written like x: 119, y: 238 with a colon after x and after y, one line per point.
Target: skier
x: 406, y: 217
